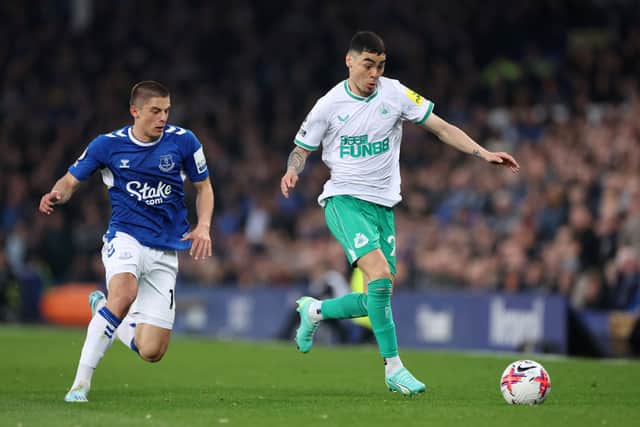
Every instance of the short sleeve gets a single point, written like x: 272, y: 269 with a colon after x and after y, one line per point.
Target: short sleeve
x: 313, y: 129
x: 93, y: 158
x: 195, y: 164
x: 415, y: 107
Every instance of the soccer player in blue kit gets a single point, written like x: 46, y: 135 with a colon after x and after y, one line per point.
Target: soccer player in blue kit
x: 144, y: 167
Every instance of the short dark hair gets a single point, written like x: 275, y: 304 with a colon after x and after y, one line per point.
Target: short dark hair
x: 145, y: 90
x: 367, y: 41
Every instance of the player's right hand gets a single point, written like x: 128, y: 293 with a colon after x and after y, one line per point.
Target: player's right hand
x: 48, y: 201
x: 288, y: 182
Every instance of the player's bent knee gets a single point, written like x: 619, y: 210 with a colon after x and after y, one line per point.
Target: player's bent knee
x: 153, y: 358
x: 151, y: 355
x: 152, y: 342
x: 374, y: 266
x: 152, y: 351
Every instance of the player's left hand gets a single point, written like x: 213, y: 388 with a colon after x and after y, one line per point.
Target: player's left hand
x: 503, y: 159
x: 48, y: 201
x: 200, y: 242
x: 288, y: 182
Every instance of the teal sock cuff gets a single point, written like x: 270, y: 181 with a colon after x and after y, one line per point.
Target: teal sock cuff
x: 345, y: 307
x: 380, y: 285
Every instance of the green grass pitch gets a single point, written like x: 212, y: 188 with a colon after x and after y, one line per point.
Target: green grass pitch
x: 211, y: 383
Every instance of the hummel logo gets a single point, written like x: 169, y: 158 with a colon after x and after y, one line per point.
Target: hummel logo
x: 343, y: 119
x: 383, y: 110
x: 124, y: 163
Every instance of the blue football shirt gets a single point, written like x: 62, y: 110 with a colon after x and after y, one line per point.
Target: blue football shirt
x: 146, y: 182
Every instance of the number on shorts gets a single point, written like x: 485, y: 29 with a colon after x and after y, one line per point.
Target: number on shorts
x: 392, y: 241
x: 171, y: 303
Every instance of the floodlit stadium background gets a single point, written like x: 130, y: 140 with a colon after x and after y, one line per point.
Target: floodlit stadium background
x: 545, y: 260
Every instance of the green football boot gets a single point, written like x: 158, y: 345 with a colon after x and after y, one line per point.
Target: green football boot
x: 405, y: 383
x: 304, y: 333
x: 94, y: 298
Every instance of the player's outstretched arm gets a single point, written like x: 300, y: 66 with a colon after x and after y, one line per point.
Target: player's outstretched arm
x: 455, y: 137
x: 200, y: 236
x: 295, y: 165
x: 59, y: 194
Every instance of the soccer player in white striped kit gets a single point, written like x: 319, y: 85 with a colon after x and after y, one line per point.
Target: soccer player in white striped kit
x: 359, y: 123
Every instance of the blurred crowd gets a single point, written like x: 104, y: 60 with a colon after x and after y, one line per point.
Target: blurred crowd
x: 561, y: 97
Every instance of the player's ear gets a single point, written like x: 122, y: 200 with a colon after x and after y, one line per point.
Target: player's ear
x: 133, y: 111
x: 348, y: 59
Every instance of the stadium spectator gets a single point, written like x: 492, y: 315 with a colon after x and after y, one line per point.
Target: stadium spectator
x: 626, y: 282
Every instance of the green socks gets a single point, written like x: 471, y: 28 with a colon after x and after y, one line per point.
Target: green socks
x: 345, y: 307
x: 377, y: 305
x: 379, y: 309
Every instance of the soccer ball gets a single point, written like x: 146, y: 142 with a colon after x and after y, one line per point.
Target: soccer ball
x: 525, y: 382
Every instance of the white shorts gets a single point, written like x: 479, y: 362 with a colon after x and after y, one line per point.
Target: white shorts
x: 156, y: 271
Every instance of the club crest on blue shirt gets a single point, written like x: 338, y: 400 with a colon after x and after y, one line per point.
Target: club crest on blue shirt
x: 166, y: 163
